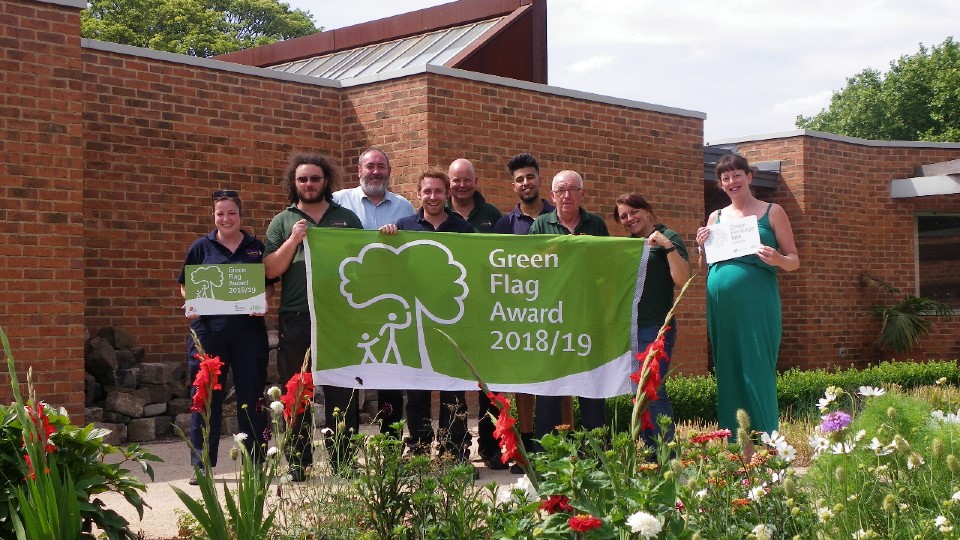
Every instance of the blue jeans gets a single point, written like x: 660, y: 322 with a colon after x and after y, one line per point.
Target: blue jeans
x: 661, y: 406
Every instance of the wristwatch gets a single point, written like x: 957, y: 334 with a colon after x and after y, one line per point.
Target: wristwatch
x: 670, y: 250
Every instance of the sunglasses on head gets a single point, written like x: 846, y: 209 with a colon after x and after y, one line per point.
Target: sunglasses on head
x: 220, y: 194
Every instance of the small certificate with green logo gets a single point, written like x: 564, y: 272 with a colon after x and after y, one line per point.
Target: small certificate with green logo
x: 224, y: 289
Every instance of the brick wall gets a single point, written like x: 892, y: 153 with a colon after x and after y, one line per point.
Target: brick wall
x: 837, y: 195
x: 160, y: 136
x: 41, y: 198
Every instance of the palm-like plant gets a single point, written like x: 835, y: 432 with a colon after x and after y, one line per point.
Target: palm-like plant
x: 903, y: 323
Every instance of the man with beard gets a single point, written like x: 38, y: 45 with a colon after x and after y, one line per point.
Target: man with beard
x: 311, y: 180
x: 525, y: 175
x: 376, y: 206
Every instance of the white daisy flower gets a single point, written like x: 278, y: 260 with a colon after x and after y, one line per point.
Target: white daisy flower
x: 842, y: 448
x: 871, y: 391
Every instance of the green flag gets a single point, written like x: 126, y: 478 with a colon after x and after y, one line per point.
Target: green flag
x: 547, y: 315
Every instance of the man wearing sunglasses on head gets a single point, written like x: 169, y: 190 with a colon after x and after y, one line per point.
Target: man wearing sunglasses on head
x: 311, y: 180
x: 376, y: 206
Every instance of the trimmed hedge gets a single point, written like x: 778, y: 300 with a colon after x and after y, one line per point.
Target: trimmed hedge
x: 694, y: 398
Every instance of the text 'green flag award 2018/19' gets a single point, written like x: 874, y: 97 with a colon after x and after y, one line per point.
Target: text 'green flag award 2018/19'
x: 547, y: 315
x: 224, y: 289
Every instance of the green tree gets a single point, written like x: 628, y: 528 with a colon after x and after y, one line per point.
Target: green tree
x: 194, y: 27
x: 918, y: 99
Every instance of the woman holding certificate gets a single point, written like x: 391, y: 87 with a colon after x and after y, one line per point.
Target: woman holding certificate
x: 743, y: 297
x: 239, y: 340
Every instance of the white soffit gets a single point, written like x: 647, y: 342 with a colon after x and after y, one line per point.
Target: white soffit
x: 923, y: 186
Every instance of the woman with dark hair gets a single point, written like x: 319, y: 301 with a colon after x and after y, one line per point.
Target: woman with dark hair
x: 667, y: 267
x: 743, y: 303
x: 239, y: 340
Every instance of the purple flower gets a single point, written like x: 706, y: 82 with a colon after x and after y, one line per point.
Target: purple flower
x: 835, y: 421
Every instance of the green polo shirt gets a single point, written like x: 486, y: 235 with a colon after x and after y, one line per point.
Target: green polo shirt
x: 483, y: 216
x: 590, y: 224
x: 293, y: 282
x: 658, y: 287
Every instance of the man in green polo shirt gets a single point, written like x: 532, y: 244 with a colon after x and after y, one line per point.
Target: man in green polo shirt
x: 311, y: 180
x: 568, y: 218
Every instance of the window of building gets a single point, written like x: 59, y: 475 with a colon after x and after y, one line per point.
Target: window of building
x: 938, y: 238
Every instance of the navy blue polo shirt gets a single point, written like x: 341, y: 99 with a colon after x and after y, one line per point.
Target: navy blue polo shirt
x: 517, y: 222
x: 207, y: 250
x: 454, y: 223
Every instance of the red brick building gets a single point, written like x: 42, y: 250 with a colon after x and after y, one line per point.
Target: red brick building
x: 108, y: 155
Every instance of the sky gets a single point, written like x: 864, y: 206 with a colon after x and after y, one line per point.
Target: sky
x: 751, y: 65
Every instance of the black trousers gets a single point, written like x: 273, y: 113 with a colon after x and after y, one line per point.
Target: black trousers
x: 593, y: 414
x: 241, y: 344
x: 453, y: 434
x: 294, y: 342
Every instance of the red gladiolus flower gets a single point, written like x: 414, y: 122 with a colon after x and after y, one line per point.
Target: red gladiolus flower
x: 298, y: 396
x: 44, y: 426
x: 645, y: 421
x: 206, y: 381
x: 584, y: 523
x: 556, y: 503
x: 658, y: 347
x: 32, y: 475
x: 504, y: 430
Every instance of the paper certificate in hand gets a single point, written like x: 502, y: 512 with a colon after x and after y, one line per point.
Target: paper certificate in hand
x: 224, y: 289
x: 732, y: 239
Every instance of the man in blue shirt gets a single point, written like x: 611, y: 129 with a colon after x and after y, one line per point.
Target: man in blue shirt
x: 525, y: 175
x: 376, y: 206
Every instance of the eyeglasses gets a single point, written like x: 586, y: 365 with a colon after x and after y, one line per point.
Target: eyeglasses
x: 571, y: 191
x: 312, y: 179
x: 225, y: 193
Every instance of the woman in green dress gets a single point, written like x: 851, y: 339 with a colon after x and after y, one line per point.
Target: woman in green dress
x: 743, y: 303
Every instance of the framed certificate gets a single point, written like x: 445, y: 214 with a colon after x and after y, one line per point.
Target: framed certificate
x: 732, y: 239
x: 224, y: 289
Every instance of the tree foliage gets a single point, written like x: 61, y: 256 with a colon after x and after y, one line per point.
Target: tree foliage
x: 918, y: 99
x: 194, y: 27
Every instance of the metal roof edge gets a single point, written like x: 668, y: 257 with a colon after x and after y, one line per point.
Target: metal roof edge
x: 833, y: 137
x: 524, y: 85
x: 219, y: 65
x: 81, y: 4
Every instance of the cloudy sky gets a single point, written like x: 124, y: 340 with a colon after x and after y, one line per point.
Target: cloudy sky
x: 751, y: 65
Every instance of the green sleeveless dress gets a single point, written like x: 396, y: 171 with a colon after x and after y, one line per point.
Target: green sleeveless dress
x: 744, y: 323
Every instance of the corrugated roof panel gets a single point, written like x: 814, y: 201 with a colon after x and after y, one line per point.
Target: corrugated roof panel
x: 463, y: 41
x: 434, y: 48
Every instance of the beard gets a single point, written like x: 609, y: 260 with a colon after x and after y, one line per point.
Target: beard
x: 310, y: 198
x: 371, y: 190
x: 534, y: 195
